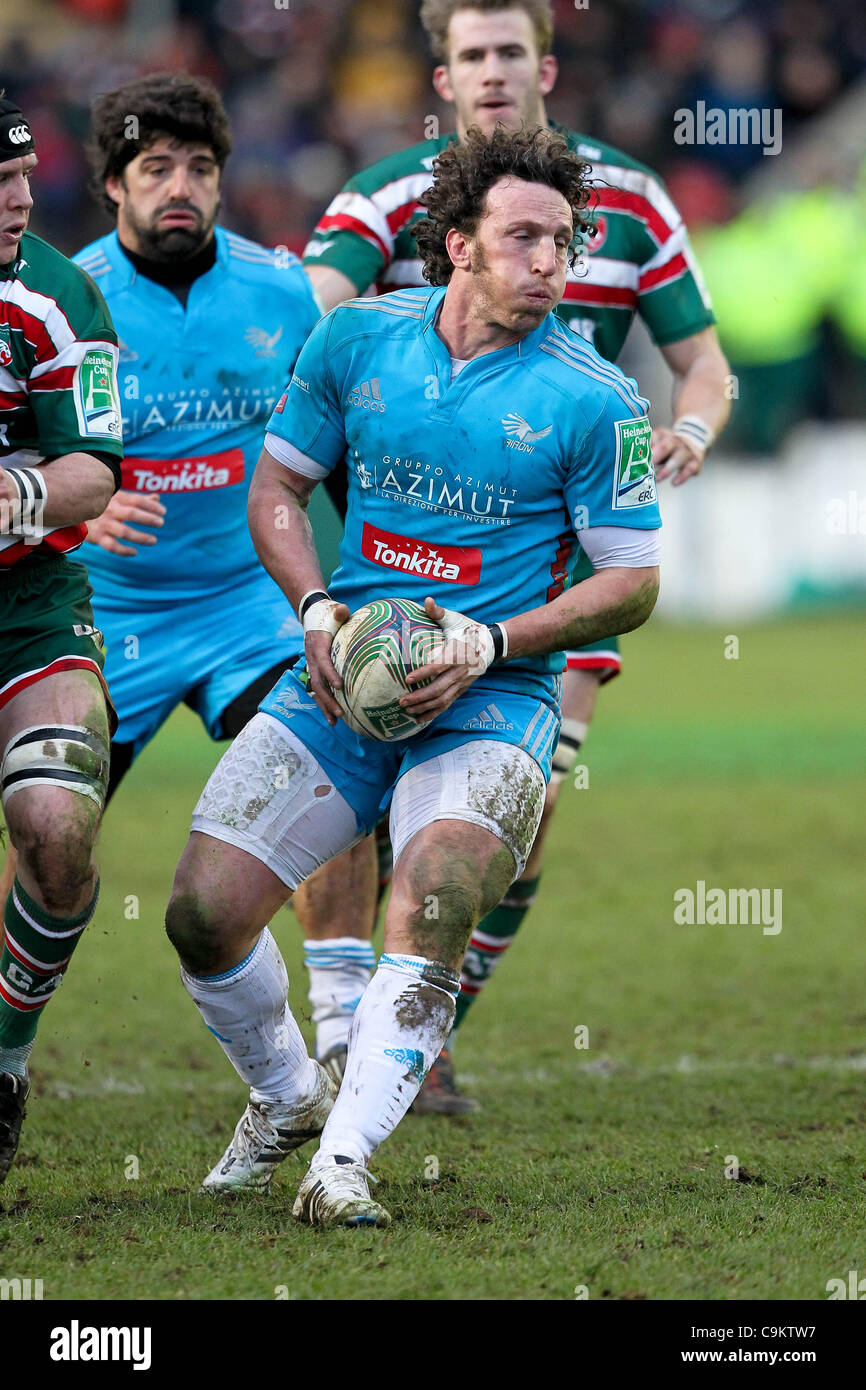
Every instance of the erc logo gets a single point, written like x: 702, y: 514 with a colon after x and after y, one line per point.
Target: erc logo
x: 634, y: 479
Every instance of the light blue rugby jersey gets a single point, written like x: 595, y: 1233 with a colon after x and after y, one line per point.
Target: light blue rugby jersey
x: 467, y: 489
x: 197, y: 386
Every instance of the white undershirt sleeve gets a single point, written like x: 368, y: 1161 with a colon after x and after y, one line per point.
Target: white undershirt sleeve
x: 607, y: 546
x: 286, y: 454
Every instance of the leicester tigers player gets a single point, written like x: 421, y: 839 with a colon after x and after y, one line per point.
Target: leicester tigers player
x: 495, y: 65
x: 171, y: 560
x: 60, y: 451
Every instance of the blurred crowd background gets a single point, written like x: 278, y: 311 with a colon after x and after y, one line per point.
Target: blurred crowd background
x: 316, y: 89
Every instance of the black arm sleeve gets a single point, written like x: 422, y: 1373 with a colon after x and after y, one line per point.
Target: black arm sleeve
x: 337, y: 486
x: 110, y: 460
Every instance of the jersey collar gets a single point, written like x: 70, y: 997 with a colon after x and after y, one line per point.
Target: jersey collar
x: 126, y: 272
x: 10, y: 270
x: 513, y: 353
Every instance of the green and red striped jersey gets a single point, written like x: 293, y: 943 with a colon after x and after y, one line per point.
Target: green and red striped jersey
x: 639, y: 261
x: 58, y: 377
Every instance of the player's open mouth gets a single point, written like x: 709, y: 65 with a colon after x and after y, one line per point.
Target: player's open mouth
x: 495, y: 105
x: 13, y: 233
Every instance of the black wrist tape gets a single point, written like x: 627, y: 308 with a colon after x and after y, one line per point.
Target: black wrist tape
x: 498, y: 640
x: 309, y: 599
x: 32, y: 493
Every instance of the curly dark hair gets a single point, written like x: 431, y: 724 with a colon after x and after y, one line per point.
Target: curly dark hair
x: 130, y: 118
x: 464, y: 173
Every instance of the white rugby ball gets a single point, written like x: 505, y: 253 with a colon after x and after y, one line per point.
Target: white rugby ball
x: 373, y: 653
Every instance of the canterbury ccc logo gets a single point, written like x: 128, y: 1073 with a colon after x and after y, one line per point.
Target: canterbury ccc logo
x: 19, y: 135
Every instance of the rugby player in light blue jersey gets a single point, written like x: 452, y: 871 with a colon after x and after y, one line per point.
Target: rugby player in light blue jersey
x: 210, y: 326
x: 451, y: 506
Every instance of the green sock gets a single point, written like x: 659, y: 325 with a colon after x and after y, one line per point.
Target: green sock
x: 36, y: 951
x: 488, y: 944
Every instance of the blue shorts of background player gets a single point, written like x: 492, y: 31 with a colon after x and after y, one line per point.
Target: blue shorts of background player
x: 219, y: 655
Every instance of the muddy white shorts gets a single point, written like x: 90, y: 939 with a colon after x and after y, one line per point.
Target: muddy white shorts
x: 270, y: 796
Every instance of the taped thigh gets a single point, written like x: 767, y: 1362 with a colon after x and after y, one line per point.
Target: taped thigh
x: 270, y: 796
x: 56, y: 755
x: 486, y: 782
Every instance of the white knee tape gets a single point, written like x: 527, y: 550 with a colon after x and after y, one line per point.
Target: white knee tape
x: 69, y: 756
x: 571, y: 736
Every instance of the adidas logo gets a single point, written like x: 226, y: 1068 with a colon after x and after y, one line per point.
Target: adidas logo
x: 367, y: 396
x: 489, y: 718
x: 408, y: 1057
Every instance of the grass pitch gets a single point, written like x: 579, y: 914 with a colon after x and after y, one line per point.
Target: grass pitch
x: 710, y: 1048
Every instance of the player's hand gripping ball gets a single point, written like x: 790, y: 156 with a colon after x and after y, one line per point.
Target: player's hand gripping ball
x: 373, y: 653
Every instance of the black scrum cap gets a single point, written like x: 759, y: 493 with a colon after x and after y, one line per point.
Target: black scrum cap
x: 16, y: 137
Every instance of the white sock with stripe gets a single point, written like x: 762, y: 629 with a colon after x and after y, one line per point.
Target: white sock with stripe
x: 247, y: 1010
x: 340, y: 970
x: 396, y: 1035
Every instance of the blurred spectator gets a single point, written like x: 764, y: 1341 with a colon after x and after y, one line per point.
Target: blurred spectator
x: 319, y: 88
x: 777, y: 273
x: 736, y: 76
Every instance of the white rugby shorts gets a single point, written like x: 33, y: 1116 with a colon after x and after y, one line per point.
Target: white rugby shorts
x: 270, y: 796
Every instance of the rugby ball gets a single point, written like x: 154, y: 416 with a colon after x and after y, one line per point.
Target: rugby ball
x: 373, y: 653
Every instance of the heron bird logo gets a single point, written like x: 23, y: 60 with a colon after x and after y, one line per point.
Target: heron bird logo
x: 515, y: 424
x: 264, y: 343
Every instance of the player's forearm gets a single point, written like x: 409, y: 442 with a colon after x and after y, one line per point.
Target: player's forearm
x: 68, y: 490
x: 282, y: 535
x: 79, y: 487
x: 704, y: 389
x: 609, y: 602
x: 330, y: 286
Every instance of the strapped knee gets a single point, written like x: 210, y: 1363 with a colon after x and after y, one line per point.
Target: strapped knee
x: 69, y: 756
x: 571, y: 736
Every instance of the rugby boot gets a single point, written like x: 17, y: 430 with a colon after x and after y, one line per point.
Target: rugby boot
x: 439, y: 1094
x: 14, y: 1091
x: 334, y: 1062
x: 265, y: 1133
x: 335, y: 1192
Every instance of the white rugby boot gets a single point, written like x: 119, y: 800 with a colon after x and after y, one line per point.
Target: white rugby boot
x: 335, y: 1193
x: 265, y: 1133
